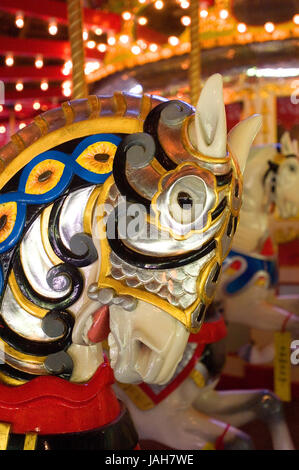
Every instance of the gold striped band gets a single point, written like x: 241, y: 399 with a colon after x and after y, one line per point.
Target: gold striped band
x: 68, y: 112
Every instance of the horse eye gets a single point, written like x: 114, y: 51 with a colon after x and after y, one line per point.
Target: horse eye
x: 292, y: 168
x: 184, y: 200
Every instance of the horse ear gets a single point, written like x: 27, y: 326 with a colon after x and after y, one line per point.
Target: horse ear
x: 208, y: 132
x: 241, y: 137
x: 286, y: 144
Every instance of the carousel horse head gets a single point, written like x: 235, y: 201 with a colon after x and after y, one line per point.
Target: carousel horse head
x: 287, y: 178
x: 116, y: 214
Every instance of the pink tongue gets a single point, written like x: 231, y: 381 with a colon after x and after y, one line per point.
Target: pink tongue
x: 100, y: 327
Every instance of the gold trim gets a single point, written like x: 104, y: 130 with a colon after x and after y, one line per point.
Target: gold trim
x: 87, y: 218
x: 158, y: 167
x: 11, y: 381
x: 8, y: 350
x: 41, y: 124
x: 120, y: 104
x: 113, y: 124
x: 44, y: 225
x: 68, y: 112
x: 18, y: 141
x: 22, y: 301
x: 145, y: 106
x: 94, y: 105
x: 197, y: 378
x: 4, y: 435
x: 137, y: 396
x: 193, y: 151
x: 30, y: 441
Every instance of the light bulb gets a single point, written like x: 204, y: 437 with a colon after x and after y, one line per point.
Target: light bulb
x: 159, y: 4
x: 19, y: 86
x: 44, y: 85
x: 269, y: 27
x: 39, y: 63
x: 9, y: 60
x: 136, y: 50
x: 242, y: 28
x: 142, y: 20
x: 173, y: 40
x: 53, y: 28
x: 186, y: 20
x: 19, y: 20
x: 223, y: 14
x: 18, y: 107
x: 126, y: 15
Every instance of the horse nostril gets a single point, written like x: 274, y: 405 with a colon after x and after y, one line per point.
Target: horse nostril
x: 185, y: 201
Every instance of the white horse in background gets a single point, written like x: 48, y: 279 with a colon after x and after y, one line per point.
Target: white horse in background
x: 190, y: 416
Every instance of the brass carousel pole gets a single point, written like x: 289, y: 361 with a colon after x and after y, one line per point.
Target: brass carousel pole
x: 195, y: 65
x: 75, y: 20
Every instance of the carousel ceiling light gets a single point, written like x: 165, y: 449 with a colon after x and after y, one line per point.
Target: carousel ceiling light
x: 2, y: 129
x: 91, y: 44
x: 102, y: 47
x: 39, y: 63
x: 67, y: 86
x: 9, y: 60
x: 53, y: 28
x: 136, y: 50
x: 186, y: 20
x: 204, y: 13
x: 22, y: 125
x: 111, y: 41
x: 98, y: 31
x: 223, y: 14
x: 126, y: 15
x: 242, y: 28
x: 153, y: 47
x: 67, y: 68
x: 1, y: 108
x: 173, y: 40
x: 19, y: 20
x: 85, y: 35
x: 296, y: 19
x: 269, y: 27
x: 142, y: 20
x: 141, y: 1
x: 19, y: 86
x: 268, y: 72
x: 44, y: 85
x: 124, y: 39
x: 18, y: 107
x: 159, y: 5
x: 36, y: 105
x: 185, y: 4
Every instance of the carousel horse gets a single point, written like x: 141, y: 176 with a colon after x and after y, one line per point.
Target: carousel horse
x: 191, y: 410
x: 78, y: 265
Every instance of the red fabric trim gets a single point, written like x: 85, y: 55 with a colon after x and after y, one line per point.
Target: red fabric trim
x: 210, y: 332
x: 268, y: 248
x: 177, y: 381
x: 219, y: 444
x: 51, y: 405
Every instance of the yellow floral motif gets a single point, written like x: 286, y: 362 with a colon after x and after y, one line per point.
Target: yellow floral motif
x: 44, y: 177
x: 98, y: 157
x: 8, y: 214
